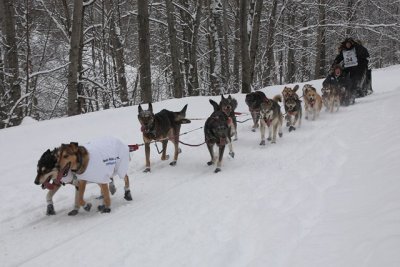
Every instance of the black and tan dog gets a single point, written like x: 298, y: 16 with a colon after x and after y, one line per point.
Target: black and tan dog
x: 271, y: 117
x: 228, y: 106
x: 51, y: 176
x: 292, y: 105
x: 217, y: 131
x: 162, y: 126
x: 253, y: 101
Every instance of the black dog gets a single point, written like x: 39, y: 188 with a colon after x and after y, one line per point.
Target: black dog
x: 253, y: 101
x: 217, y: 131
x: 162, y: 126
x: 228, y: 106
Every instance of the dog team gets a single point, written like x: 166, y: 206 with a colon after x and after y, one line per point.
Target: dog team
x: 98, y: 161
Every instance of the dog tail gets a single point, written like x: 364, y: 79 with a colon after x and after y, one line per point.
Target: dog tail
x: 180, y: 118
x: 277, y: 98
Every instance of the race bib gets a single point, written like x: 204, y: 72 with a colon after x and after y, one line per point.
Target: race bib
x: 350, y: 58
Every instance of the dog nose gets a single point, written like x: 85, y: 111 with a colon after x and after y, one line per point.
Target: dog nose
x: 36, y: 182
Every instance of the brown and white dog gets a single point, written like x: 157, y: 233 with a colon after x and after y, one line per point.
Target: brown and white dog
x: 331, y: 97
x: 50, y: 177
x: 312, y: 102
x: 271, y: 117
x: 253, y: 101
x: 162, y: 126
x: 96, y: 162
x: 293, y: 108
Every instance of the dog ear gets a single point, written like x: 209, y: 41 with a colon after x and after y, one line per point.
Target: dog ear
x: 214, y: 104
x: 150, y: 108
x: 296, y: 87
x: 229, y: 97
x: 222, y: 97
x: 183, y: 111
x: 140, y: 110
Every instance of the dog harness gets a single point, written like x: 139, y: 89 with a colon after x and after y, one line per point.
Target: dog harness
x: 107, y: 157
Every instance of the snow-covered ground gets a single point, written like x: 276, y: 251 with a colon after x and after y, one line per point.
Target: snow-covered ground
x: 327, y: 194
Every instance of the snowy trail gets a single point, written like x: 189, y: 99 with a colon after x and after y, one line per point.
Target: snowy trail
x: 324, y: 195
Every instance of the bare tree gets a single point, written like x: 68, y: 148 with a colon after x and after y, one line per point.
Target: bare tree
x: 74, y: 54
x: 10, y: 102
x: 144, y: 51
x: 244, y: 36
x: 175, y: 51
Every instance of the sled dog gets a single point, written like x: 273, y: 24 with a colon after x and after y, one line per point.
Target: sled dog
x: 162, y: 126
x: 228, y: 106
x: 271, y: 117
x: 217, y: 131
x: 253, y: 101
x: 332, y: 96
x: 49, y: 170
x: 312, y: 102
x: 292, y: 105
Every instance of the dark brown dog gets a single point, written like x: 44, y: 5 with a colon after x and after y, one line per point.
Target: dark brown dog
x: 217, y: 131
x: 228, y: 106
x: 253, y: 101
x: 162, y: 126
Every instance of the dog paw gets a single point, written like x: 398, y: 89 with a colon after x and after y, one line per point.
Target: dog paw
x: 103, y: 209
x: 112, y: 188
x: 253, y: 129
x: 172, y: 163
x: 128, y: 195
x: 87, y: 207
x: 262, y: 143
x: 232, y: 154
x: 165, y: 158
x: 73, y: 212
x: 146, y: 170
x: 269, y: 139
x: 292, y: 128
x: 209, y: 163
x: 217, y: 170
x: 280, y: 134
x: 287, y: 124
x: 273, y: 142
x: 50, y: 210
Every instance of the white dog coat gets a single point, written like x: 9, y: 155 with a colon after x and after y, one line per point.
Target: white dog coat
x: 108, y: 157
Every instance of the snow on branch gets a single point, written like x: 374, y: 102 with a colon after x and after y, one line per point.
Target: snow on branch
x: 48, y: 71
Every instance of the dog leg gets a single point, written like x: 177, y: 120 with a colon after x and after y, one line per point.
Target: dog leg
x: 230, y: 145
x: 176, y: 151
x: 280, y: 128
x: 220, y: 157
x: 164, y: 155
x: 211, y: 150
x: 76, y: 206
x: 270, y: 132
x: 262, y: 131
x: 105, y: 208
x: 147, y: 153
x: 49, y: 199
x: 274, y: 131
x: 127, y: 194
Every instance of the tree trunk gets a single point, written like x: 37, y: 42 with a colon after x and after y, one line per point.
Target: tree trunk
x: 73, y: 107
x: 194, y: 76
x: 246, y: 73
x: 254, y: 37
x: 144, y: 51
x: 320, y: 59
x: 118, y: 48
x: 175, y: 51
x: 291, y: 64
x: 237, y: 46
x: 10, y: 110
x: 269, y: 70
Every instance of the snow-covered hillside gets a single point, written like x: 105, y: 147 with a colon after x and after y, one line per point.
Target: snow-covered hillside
x: 327, y: 194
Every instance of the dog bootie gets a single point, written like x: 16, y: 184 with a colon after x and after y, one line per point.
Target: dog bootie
x: 103, y: 209
x: 128, y: 195
x: 73, y: 212
x: 50, y: 210
x: 87, y: 207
